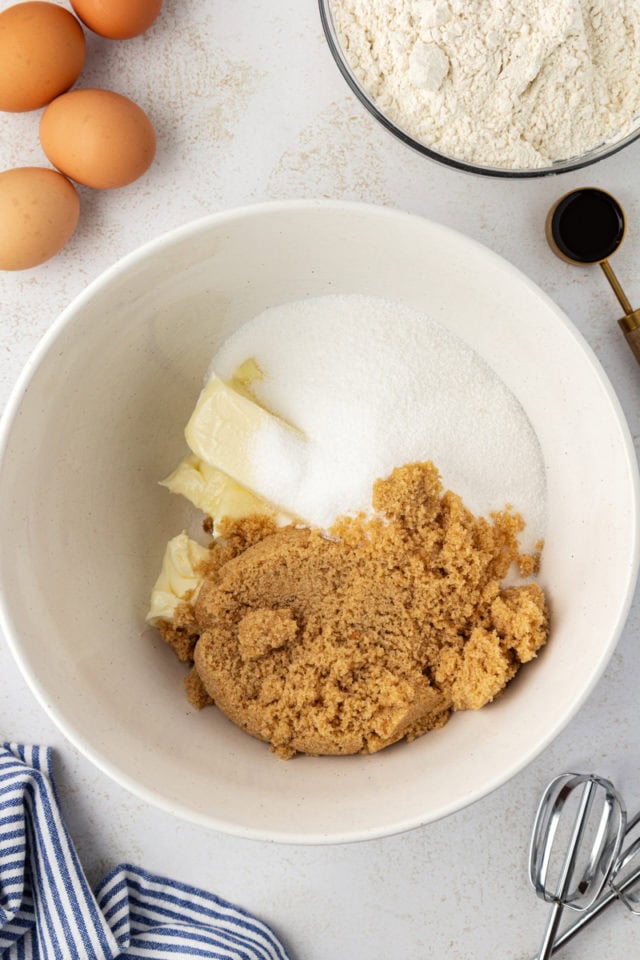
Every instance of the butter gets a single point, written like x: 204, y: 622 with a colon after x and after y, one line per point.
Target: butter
x: 227, y: 428
x: 179, y: 578
x: 213, y: 491
x: 245, y: 375
x: 217, y: 476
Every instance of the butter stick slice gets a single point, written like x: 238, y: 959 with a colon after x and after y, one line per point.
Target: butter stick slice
x: 213, y: 491
x: 255, y: 448
x: 179, y: 579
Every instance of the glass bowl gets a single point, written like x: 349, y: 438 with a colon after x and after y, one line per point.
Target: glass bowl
x: 605, y: 149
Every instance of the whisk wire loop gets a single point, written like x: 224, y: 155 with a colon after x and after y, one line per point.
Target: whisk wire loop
x: 577, y: 878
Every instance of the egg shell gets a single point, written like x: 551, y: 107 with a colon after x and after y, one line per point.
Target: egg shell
x: 98, y: 138
x: 117, y: 19
x: 39, y: 211
x: 42, y: 51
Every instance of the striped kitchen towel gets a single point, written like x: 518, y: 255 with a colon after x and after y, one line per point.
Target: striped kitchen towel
x: 47, y: 908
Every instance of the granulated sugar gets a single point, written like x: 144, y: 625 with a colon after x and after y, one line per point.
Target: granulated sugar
x: 374, y: 384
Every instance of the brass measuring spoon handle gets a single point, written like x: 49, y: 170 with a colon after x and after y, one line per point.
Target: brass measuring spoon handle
x: 630, y: 323
x: 630, y: 326
x: 615, y: 286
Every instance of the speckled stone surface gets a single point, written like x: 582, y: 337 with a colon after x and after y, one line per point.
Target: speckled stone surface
x: 249, y: 106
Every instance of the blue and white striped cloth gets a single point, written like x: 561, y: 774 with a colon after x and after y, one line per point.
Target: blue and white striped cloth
x: 47, y: 908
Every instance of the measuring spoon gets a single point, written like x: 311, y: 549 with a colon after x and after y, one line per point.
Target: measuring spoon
x: 587, y: 226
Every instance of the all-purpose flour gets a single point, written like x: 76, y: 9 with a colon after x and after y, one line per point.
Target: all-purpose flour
x: 508, y: 83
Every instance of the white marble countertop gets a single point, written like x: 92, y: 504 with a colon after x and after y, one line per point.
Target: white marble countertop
x: 249, y: 106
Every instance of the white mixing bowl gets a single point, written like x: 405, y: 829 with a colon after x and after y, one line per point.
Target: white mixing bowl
x: 97, y: 418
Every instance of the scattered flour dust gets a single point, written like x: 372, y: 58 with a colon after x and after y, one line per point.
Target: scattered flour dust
x: 375, y: 384
x: 515, y: 84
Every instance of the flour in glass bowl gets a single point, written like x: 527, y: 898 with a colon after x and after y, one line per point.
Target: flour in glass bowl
x: 514, y: 84
x: 374, y: 384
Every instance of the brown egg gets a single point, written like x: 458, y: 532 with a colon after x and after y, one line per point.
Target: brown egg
x: 98, y: 138
x: 117, y: 19
x: 42, y: 50
x: 39, y: 211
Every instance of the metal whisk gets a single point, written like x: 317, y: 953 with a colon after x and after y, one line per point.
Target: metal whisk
x: 575, y: 845
x: 623, y: 885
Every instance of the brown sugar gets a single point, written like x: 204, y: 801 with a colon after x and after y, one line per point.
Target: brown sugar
x: 345, y: 643
x: 195, y: 690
